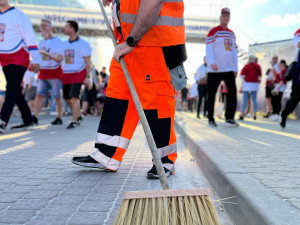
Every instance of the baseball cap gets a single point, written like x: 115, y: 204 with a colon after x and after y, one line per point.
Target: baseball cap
x: 225, y: 10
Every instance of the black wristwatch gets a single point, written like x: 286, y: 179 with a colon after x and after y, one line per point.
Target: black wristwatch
x: 131, y: 41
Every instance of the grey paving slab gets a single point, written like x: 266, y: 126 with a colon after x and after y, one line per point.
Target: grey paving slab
x: 49, y: 189
x: 257, y: 149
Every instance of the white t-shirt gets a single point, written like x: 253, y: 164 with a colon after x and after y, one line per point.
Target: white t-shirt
x: 73, y: 53
x: 282, y: 88
x: 250, y: 86
x: 270, y: 74
x: 52, y: 46
x: 200, y: 73
x: 194, y: 90
x: 28, y: 75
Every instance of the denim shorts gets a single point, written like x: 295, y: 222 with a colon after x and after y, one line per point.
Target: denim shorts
x: 2, y: 93
x: 45, y: 85
x: 30, y: 94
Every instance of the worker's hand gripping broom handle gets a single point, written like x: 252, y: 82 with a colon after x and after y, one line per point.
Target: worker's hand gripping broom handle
x: 149, y: 136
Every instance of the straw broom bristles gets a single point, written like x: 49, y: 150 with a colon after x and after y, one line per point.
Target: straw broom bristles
x: 170, y: 210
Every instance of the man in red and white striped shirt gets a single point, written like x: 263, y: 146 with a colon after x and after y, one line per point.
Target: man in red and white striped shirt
x: 17, y: 40
x: 222, y: 64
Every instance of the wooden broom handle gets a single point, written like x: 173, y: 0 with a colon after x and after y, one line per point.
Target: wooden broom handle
x: 157, y: 161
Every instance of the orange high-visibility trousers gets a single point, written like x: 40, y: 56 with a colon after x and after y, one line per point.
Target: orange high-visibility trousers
x: 119, y: 119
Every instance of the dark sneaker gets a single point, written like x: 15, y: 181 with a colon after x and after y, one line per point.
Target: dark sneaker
x: 212, y: 123
x: 23, y: 126
x: 79, y: 120
x: 198, y: 116
x: 2, y: 127
x: 267, y: 115
x: 57, y: 121
x: 73, y: 124
x: 35, y: 120
x: 231, y: 123
x: 88, y: 161
x: 282, y: 122
x: 152, y: 174
x: 241, y: 118
x: 254, y: 117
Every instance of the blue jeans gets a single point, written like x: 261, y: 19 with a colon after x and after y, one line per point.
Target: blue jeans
x: 246, y: 95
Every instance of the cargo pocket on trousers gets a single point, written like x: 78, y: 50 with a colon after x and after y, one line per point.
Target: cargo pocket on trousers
x: 165, y: 103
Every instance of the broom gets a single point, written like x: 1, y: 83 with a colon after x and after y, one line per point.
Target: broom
x: 184, y: 207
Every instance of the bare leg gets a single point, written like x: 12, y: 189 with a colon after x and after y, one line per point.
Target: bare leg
x: 75, y: 108
x: 31, y: 105
x: 2, y: 99
x: 38, y: 104
x: 269, y: 102
x: 85, y: 106
x: 59, y: 107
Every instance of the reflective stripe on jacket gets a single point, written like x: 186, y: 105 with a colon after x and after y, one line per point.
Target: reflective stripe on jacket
x: 168, y: 29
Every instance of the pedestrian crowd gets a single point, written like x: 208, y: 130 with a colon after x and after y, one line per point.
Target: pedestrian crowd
x: 219, y: 72
x: 60, y: 73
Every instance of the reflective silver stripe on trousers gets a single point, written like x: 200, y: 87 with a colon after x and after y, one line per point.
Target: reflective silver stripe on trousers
x: 115, y: 141
x: 165, y: 151
x: 170, y: 167
x: 173, y: 1
x: 109, y: 163
x: 161, y: 20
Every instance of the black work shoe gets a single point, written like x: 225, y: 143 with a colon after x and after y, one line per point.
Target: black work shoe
x: 57, y: 121
x: 23, y: 126
x: 152, y: 174
x: 282, y: 122
x: 231, y: 123
x: 88, y: 161
x: 198, y: 116
x: 72, y: 125
x: 35, y: 120
x: 212, y: 123
x: 2, y: 127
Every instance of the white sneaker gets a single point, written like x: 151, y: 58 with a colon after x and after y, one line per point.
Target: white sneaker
x: 274, y: 117
x: 53, y: 113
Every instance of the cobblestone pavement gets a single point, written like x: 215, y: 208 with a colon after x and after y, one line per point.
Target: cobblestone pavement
x: 267, y: 152
x: 40, y: 185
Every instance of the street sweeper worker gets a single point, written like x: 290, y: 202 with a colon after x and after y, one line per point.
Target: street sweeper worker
x: 151, y: 38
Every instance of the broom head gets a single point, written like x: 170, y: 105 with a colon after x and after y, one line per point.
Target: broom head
x: 168, y: 207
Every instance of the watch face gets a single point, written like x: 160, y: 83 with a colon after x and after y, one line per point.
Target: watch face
x: 130, y: 40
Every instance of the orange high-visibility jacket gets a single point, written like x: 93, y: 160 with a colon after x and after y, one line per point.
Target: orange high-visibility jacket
x: 168, y: 30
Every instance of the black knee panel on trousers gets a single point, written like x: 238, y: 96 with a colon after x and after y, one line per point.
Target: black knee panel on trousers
x: 160, y: 128
x: 113, y: 116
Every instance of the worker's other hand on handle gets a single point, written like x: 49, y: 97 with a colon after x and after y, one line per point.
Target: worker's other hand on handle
x: 107, y: 2
x: 121, y: 51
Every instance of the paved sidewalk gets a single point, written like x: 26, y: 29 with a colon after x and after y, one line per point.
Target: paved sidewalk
x: 261, y: 148
x: 40, y: 185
